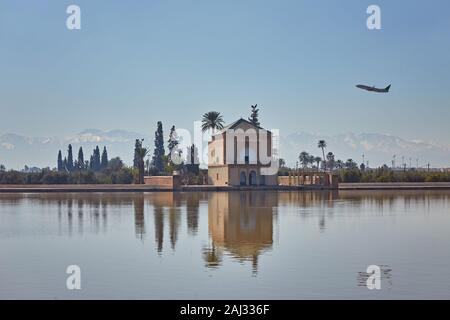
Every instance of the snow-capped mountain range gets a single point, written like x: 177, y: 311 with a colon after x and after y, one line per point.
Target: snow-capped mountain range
x: 17, y: 150
x: 377, y: 148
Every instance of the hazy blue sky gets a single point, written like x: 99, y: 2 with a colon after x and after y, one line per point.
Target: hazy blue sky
x: 136, y: 62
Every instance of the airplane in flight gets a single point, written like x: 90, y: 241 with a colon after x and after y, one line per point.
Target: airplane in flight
x: 373, y: 89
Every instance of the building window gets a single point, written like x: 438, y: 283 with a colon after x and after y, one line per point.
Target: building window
x: 217, y: 176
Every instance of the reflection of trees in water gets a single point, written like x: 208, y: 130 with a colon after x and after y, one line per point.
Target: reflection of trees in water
x: 105, y: 216
x: 75, y: 210
x: 60, y: 213
x: 380, y: 202
x: 396, y: 200
x: 307, y: 199
x: 158, y: 215
x: 324, y: 203
x: 192, y: 211
x: 174, y: 219
x: 174, y: 223
x: 69, y: 215
x: 97, y: 206
x: 167, y: 210
x: 95, y: 214
x: 80, y: 216
x: 139, y: 219
x: 311, y: 203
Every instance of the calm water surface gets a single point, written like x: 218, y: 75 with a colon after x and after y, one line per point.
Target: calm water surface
x: 237, y: 245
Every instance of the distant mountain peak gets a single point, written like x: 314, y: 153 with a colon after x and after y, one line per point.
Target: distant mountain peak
x: 91, y: 131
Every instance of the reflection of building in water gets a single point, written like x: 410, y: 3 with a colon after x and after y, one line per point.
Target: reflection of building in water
x: 241, y: 224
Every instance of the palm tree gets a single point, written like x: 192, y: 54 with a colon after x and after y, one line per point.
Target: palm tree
x: 330, y: 161
x: 304, y: 159
x: 350, y: 164
x: 317, y: 161
x: 311, y: 160
x: 141, y: 153
x: 322, y: 145
x: 212, y: 120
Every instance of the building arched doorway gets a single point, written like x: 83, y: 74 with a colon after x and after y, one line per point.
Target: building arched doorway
x: 243, y: 179
x: 252, y: 178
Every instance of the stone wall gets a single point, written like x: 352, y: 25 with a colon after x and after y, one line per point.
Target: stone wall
x: 322, y: 179
x: 169, y: 182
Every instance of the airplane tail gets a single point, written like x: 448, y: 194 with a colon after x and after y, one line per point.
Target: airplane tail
x: 387, y: 88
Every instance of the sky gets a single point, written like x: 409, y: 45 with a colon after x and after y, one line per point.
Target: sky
x: 136, y: 62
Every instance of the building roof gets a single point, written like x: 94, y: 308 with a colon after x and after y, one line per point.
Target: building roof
x: 236, y: 123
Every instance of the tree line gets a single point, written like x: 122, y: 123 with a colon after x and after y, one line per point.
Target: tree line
x: 326, y: 162
x: 96, y: 162
x: 350, y: 171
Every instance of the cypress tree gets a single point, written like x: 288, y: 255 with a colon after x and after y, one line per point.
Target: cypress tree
x: 137, y: 147
x: 96, y: 159
x: 80, y: 161
x: 91, y: 163
x: 158, y: 152
x: 173, y: 142
x: 104, y: 161
x: 60, y: 162
x: 193, y: 162
x: 69, y: 159
x: 142, y: 152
